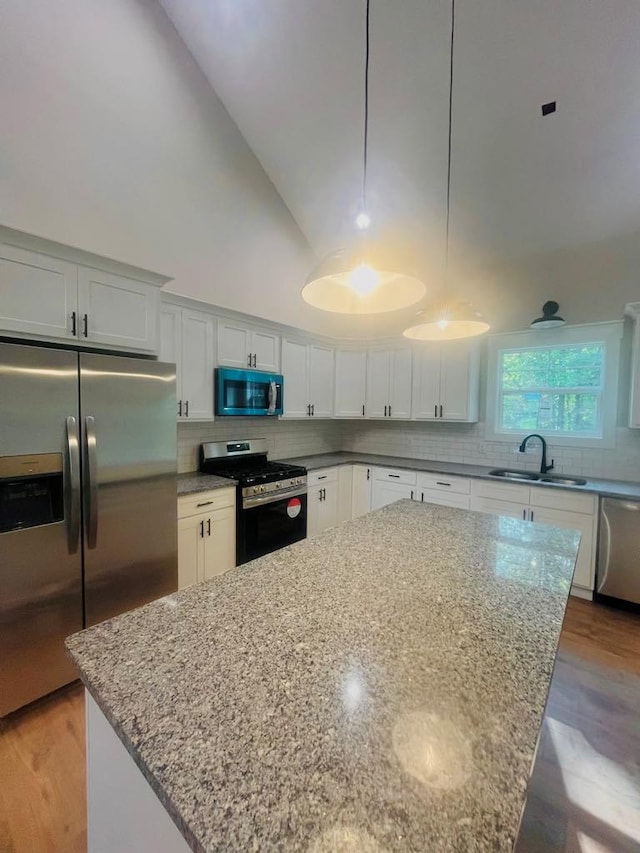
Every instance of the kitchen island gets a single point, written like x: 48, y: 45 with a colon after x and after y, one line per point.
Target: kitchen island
x: 380, y: 687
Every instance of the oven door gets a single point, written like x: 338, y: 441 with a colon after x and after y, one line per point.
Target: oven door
x: 268, y: 523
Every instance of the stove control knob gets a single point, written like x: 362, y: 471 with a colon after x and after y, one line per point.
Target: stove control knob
x: 278, y: 485
x: 263, y: 488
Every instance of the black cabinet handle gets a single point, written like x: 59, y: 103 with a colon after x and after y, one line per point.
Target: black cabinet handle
x: 395, y: 476
x: 313, y: 410
x: 249, y: 360
x: 208, y: 527
x: 389, y: 409
x: 255, y: 359
x: 205, y: 503
x: 73, y: 324
x: 179, y: 408
x: 368, y: 473
x: 186, y: 408
x: 363, y: 410
x: 411, y: 494
x: 309, y: 409
x: 85, y: 325
x: 440, y: 409
x: 322, y: 476
x: 435, y: 411
x: 422, y: 497
x: 202, y: 529
x: 385, y: 411
x: 442, y: 483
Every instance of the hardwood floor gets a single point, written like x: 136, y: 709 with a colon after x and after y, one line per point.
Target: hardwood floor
x: 584, y: 794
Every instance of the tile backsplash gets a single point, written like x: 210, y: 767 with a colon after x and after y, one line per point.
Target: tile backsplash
x: 284, y: 438
x: 446, y: 442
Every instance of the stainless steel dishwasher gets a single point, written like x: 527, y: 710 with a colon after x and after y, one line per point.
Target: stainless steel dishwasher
x: 618, y: 567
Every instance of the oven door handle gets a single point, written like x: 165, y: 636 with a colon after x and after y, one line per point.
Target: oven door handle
x: 271, y: 497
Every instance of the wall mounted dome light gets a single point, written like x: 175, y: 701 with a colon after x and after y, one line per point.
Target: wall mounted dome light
x: 550, y: 318
x: 453, y: 319
x: 350, y: 281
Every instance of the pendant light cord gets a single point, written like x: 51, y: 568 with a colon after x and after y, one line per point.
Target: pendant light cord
x: 366, y: 110
x: 446, y: 255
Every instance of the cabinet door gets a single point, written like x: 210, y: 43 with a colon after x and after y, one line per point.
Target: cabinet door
x: 328, y: 507
x: 350, y: 383
x: 314, y: 499
x: 265, y: 351
x: 345, y: 493
x: 234, y: 344
x: 378, y: 372
x: 585, y: 562
x: 117, y: 311
x: 197, y: 366
x: 498, y: 507
x: 426, y: 383
x: 321, y: 381
x: 459, y: 380
x: 38, y: 294
x: 361, y: 491
x: 295, y: 372
x: 190, y: 550
x: 388, y: 493
x: 219, y: 542
x: 170, y: 343
x: 400, y: 383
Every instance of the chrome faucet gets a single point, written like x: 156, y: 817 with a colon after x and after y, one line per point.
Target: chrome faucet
x: 543, y: 462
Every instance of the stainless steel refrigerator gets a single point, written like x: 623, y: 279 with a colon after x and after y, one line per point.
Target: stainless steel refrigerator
x: 87, y: 503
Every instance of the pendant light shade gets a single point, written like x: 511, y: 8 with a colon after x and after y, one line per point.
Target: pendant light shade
x: 448, y: 324
x: 345, y: 283
x: 355, y: 281
x: 550, y: 318
x: 452, y: 320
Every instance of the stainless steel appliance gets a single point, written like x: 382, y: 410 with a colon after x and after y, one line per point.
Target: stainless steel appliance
x: 271, y: 500
x: 248, y: 392
x: 618, y: 567
x: 87, y: 503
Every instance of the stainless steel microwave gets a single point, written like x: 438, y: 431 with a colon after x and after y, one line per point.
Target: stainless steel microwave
x: 247, y: 392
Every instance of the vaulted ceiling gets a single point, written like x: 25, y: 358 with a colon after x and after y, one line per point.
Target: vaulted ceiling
x: 290, y: 73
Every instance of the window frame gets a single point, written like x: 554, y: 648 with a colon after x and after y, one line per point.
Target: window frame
x: 608, y: 334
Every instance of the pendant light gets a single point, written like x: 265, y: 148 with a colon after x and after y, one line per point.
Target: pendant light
x: 361, y: 280
x: 550, y: 318
x: 453, y: 319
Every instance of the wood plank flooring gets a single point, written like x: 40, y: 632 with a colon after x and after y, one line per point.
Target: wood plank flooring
x: 584, y: 794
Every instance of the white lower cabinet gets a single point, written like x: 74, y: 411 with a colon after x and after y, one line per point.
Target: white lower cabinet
x: 545, y: 505
x: 444, y: 490
x: 206, y: 535
x: 391, y: 484
x: 361, y: 490
x: 322, y: 500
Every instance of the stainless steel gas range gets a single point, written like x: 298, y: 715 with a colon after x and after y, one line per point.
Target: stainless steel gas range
x: 271, y: 499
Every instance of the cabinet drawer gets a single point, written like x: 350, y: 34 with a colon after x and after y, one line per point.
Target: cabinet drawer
x: 203, y: 502
x: 395, y: 475
x: 441, y: 482
x: 500, y: 491
x: 322, y: 477
x: 445, y: 498
x: 550, y: 498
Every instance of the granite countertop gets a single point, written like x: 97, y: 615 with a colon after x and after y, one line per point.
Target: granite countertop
x: 606, y: 488
x: 377, y: 688
x: 191, y: 484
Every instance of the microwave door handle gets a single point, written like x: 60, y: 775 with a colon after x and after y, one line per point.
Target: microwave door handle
x: 91, y: 482
x: 73, y: 486
x: 273, y: 394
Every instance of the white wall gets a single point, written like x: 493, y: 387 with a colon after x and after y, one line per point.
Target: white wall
x: 112, y: 141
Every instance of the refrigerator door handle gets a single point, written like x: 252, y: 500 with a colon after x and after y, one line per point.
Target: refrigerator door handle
x: 91, y: 482
x: 73, y: 493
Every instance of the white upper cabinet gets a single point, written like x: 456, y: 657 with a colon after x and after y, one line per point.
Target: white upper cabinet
x: 633, y: 310
x: 350, y: 383
x: 46, y: 297
x: 187, y: 338
x: 117, y: 311
x: 308, y: 371
x: 247, y: 347
x: 446, y: 382
x: 389, y: 383
x: 38, y: 294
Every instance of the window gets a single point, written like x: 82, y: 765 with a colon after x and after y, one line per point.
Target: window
x: 561, y: 383
x: 554, y: 389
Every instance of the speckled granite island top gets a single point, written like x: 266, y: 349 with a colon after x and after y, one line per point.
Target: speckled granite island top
x: 377, y: 688
x: 190, y: 484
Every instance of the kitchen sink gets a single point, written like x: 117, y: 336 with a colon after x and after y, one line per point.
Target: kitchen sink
x: 564, y: 481
x: 506, y: 474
